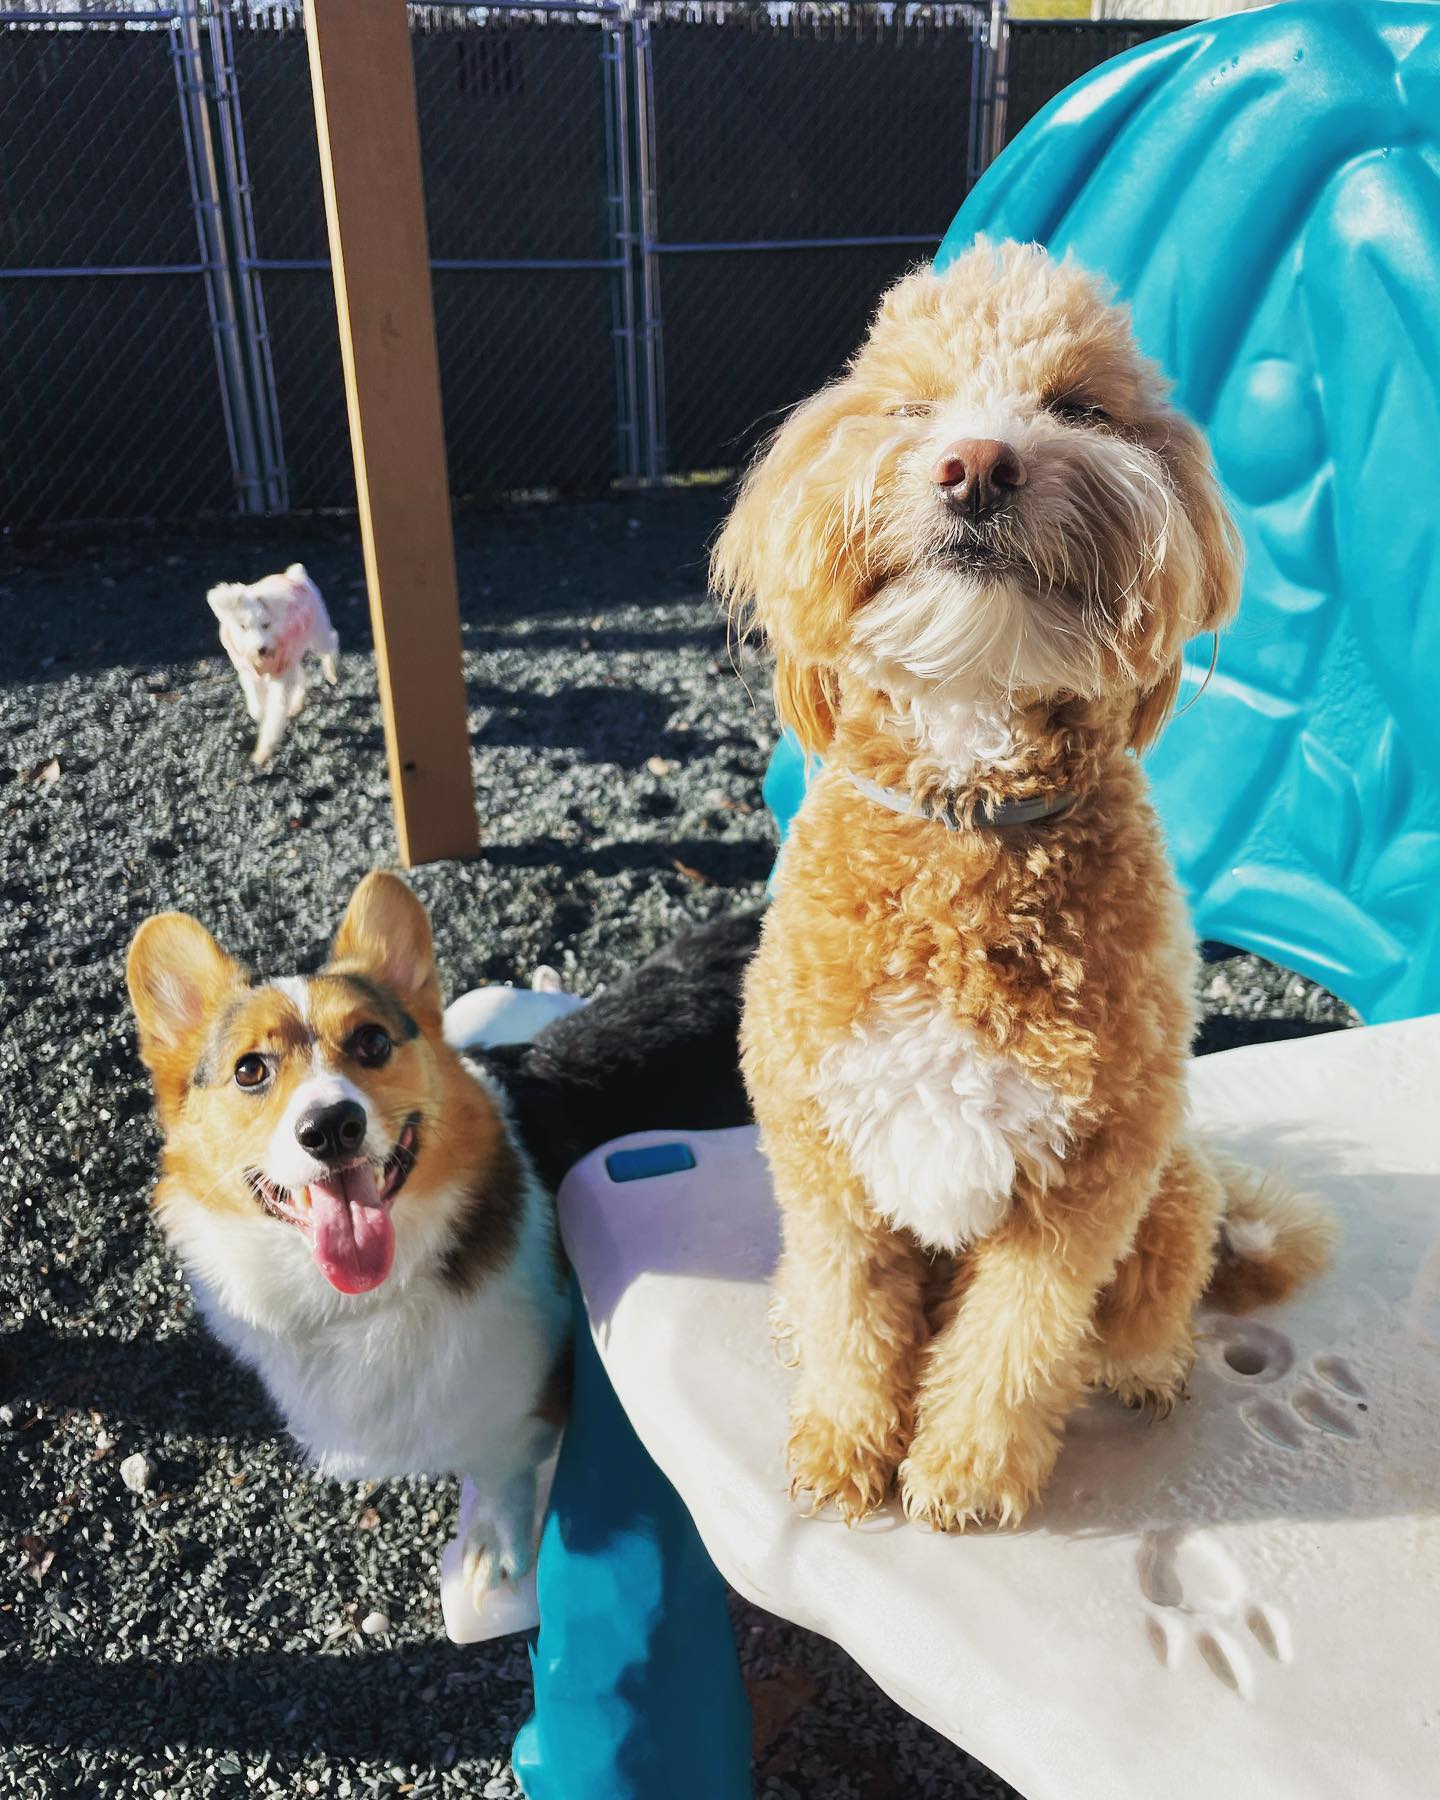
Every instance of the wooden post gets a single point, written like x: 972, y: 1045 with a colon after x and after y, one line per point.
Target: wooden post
x: 364, y: 86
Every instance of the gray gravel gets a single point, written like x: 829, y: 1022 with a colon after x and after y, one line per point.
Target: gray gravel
x: 190, y: 1623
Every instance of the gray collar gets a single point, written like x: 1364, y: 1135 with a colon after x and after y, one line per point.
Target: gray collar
x: 1009, y: 812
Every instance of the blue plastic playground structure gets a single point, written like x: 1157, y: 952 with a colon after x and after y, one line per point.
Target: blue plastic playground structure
x: 1265, y: 192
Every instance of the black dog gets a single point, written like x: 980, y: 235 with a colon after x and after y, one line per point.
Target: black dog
x: 658, y: 1051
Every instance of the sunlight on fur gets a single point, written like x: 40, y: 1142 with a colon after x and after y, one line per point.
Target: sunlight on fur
x: 978, y: 557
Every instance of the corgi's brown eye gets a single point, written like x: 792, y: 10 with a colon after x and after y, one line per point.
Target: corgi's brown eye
x: 371, y: 1045
x: 912, y: 409
x: 251, y: 1071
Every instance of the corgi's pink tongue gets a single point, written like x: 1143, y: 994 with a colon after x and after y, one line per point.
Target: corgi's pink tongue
x: 352, y: 1237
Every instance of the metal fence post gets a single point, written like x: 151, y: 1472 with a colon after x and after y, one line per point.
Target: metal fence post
x: 655, y: 456
x: 618, y: 68
x: 193, y: 93
x: 253, y: 323
x: 997, y: 83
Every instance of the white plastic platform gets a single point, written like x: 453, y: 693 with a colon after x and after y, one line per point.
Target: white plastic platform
x: 1241, y: 1602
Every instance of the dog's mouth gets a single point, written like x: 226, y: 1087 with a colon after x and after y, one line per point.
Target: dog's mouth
x: 977, y: 551
x: 345, y: 1215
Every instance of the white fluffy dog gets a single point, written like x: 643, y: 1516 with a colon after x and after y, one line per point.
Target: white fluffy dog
x: 266, y: 628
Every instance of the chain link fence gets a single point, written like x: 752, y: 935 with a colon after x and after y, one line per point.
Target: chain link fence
x: 116, y: 314
x: 792, y: 162
x: 524, y: 182
x: 653, y: 227
x: 1046, y: 55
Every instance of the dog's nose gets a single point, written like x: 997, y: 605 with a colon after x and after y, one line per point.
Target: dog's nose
x: 978, y: 474
x: 332, y: 1132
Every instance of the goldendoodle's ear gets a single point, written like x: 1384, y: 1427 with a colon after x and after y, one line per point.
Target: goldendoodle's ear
x: 805, y: 699
x: 1206, y: 589
x: 1215, y: 595
x: 1153, y: 709
x: 782, y: 563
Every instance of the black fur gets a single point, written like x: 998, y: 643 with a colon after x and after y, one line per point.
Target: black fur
x: 658, y: 1051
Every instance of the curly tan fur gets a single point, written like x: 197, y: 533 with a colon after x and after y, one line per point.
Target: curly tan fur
x: 966, y: 1048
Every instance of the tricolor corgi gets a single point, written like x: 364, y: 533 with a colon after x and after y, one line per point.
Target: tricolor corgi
x: 359, y: 1221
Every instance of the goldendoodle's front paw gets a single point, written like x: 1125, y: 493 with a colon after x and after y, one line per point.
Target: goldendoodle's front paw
x: 1153, y: 1384
x: 952, y: 1484
x: 841, y: 1465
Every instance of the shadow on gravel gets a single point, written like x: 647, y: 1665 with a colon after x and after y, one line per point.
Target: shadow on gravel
x: 283, y: 1703
x: 183, y: 1383
x: 606, y: 640
x: 728, y: 862
x: 1225, y: 1033
x: 609, y: 724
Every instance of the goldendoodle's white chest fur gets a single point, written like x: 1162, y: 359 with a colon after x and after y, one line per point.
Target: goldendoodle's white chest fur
x: 934, y: 1122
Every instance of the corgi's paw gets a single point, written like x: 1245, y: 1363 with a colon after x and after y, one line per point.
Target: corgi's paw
x: 495, y: 1551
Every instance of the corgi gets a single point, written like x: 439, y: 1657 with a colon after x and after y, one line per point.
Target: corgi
x: 358, y: 1220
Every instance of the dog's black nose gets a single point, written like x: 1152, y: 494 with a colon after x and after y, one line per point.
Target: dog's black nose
x: 333, y: 1132
x: 978, y: 474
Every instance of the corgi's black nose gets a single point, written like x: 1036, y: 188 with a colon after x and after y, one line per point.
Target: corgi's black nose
x: 334, y: 1132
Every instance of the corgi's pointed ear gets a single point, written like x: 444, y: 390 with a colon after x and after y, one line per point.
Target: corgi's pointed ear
x: 178, y: 978
x: 386, y: 933
x: 223, y: 597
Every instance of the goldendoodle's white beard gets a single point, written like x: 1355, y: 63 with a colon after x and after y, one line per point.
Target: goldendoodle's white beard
x: 968, y: 637
x: 1084, y: 545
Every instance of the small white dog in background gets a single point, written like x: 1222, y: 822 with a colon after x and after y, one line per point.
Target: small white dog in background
x: 266, y: 628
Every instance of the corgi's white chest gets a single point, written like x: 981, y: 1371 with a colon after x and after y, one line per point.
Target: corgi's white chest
x: 425, y: 1385
x: 934, y: 1122
x: 413, y: 1378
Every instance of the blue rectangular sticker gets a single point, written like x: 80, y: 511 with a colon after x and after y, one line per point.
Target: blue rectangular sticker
x: 649, y: 1159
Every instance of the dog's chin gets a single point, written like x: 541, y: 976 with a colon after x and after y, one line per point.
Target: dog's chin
x: 979, y: 558
x: 974, y: 621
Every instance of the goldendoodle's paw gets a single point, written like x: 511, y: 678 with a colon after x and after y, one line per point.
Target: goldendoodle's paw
x: 837, y: 1465
x: 1154, y: 1385
x: 952, y: 1486
x: 1144, y: 1396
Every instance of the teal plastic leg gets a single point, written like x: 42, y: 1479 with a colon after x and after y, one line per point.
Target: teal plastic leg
x: 637, y: 1685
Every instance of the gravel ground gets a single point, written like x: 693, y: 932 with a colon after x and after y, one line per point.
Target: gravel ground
x: 201, y: 1636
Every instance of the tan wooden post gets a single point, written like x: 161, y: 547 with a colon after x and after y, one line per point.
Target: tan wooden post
x: 364, y: 85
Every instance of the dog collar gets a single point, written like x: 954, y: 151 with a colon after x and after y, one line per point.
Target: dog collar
x: 1009, y: 812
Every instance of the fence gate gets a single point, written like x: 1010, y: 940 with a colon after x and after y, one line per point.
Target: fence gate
x: 117, y: 309
x: 523, y: 138
x: 792, y: 161
x: 654, y: 225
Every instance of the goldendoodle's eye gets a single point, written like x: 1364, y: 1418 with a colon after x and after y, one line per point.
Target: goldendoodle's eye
x: 911, y: 409
x: 371, y: 1045
x: 1074, y: 409
x: 252, y: 1071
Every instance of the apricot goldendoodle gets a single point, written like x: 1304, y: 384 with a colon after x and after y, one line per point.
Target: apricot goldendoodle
x: 978, y: 556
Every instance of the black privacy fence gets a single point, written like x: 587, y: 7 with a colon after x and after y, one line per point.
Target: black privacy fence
x: 652, y: 229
